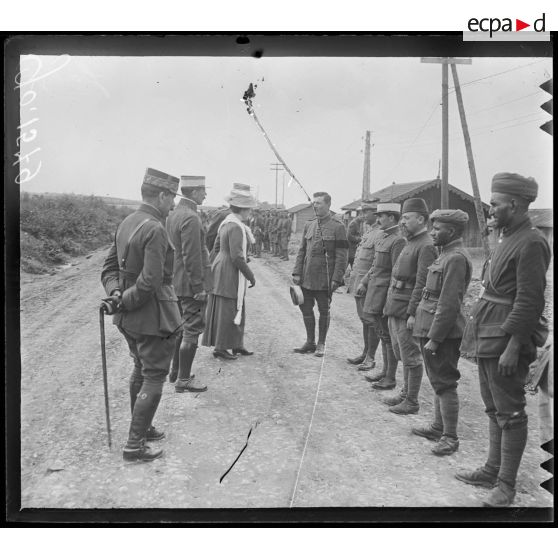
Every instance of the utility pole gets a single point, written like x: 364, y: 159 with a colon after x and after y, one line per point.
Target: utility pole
x: 276, y: 167
x: 366, y: 173
x: 444, y: 199
x: 478, y: 203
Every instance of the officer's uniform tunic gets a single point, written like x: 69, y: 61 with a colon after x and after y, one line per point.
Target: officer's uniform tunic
x: 192, y: 270
x: 405, y: 290
x: 311, y: 266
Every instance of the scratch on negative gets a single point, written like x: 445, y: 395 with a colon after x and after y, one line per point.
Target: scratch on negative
x: 253, y: 427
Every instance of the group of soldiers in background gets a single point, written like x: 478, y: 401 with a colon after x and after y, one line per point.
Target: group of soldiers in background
x: 408, y: 284
x: 272, y: 230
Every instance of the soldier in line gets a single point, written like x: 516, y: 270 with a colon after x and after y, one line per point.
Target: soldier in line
x: 312, y: 266
x: 439, y: 325
x: 285, y: 235
x: 267, y: 220
x: 272, y: 231
x: 192, y: 278
x: 257, y: 225
x: 362, y: 263
x: 374, y: 286
x: 354, y: 236
x: 504, y: 330
x: 407, y: 281
x: 137, y: 277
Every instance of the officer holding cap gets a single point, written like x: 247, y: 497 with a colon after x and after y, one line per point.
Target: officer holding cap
x: 439, y: 325
x: 502, y: 331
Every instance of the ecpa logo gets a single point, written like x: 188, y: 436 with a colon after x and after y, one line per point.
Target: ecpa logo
x: 504, y: 29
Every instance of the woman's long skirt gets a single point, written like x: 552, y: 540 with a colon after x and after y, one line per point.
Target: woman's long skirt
x: 220, y: 331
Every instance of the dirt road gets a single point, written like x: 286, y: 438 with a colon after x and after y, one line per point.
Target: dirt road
x: 358, y: 454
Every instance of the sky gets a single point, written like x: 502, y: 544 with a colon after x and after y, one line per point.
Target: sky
x: 94, y: 124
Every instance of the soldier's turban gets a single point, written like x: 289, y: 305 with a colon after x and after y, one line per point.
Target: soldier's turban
x: 452, y: 216
x: 515, y: 185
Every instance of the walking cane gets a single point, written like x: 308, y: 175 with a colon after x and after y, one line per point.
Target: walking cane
x: 102, y: 311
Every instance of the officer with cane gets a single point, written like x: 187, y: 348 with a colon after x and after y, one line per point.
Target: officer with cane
x: 137, y: 277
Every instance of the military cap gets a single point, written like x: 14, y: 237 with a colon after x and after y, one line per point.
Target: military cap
x: 191, y: 182
x: 515, y: 185
x: 452, y: 216
x: 161, y: 180
x: 415, y: 205
x: 388, y: 208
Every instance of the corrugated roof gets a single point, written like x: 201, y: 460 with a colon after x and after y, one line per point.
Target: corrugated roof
x: 541, y: 217
x: 399, y: 192
x: 299, y: 207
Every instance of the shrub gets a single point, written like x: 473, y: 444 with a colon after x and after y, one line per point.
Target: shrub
x: 55, y: 226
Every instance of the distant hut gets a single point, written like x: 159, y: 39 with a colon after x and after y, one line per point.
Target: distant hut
x: 429, y: 191
x: 542, y: 219
x: 300, y: 214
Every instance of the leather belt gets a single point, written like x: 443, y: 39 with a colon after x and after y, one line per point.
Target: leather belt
x: 427, y: 295
x: 400, y: 284
x: 497, y: 299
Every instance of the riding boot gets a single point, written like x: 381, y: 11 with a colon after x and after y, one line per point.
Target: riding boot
x: 186, y: 380
x: 310, y: 325
x: 449, y: 407
x: 389, y: 381
x: 372, y: 342
x: 136, y: 381
x: 323, y: 326
x: 144, y: 411
x: 378, y: 376
x: 187, y: 355
x: 175, y: 361
x: 414, y: 381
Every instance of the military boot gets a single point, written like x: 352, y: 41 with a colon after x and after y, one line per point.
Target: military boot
x: 175, y: 362
x: 446, y: 446
x: 478, y: 477
x: 144, y: 411
x: 501, y: 496
x: 429, y: 432
x: 186, y: 380
x: 394, y: 400
x: 410, y: 405
x: 389, y: 381
x: 378, y: 376
x: 368, y: 364
x: 358, y: 359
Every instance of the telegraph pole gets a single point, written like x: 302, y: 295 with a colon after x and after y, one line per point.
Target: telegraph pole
x: 276, y: 167
x: 444, y: 199
x: 478, y: 203
x: 366, y: 173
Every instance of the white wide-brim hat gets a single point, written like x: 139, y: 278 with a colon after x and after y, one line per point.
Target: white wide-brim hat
x: 240, y: 196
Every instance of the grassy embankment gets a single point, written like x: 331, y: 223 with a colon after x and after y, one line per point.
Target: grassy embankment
x: 56, y: 227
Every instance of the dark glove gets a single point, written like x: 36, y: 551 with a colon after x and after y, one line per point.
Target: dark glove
x: 112, y: 304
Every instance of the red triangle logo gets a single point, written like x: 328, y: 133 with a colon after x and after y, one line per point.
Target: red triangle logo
x: 519, y: 25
